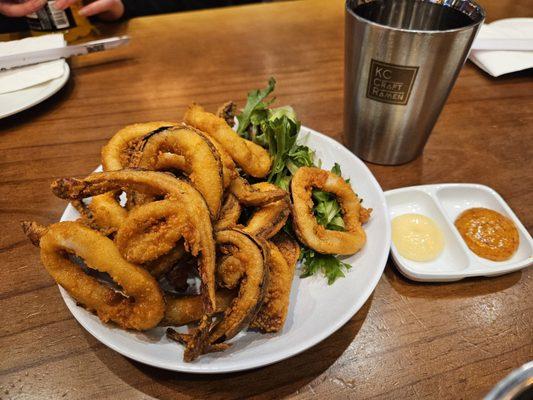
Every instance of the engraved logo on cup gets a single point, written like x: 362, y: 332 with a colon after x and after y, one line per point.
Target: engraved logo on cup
x: 390, y: 83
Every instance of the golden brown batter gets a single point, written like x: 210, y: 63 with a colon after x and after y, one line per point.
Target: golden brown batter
x: 488, y: 233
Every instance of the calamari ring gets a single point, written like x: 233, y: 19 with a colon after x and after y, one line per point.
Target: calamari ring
x: 155, y: 184
x: 251, y: 195
x: 229, y: 213
x: 144, y: 306
x: 273, y: 313
x: 202, y: 161
x: 307, y: 228
x: 169, y: 161
x: 252, y: 158
x: 113, y: 153
x: 105, y: 211
x: 269, y: 219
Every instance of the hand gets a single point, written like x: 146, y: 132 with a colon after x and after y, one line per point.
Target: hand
x: 11, y: 8
x: 107, y: 10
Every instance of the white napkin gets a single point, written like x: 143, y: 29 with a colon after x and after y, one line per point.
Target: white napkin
x: 498, y: 63
x: 24, y: 77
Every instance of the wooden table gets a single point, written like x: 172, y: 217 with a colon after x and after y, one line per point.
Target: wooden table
x: 410, y: 340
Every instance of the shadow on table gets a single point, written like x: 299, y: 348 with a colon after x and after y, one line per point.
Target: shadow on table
x: 469, y: 287
x: 32, y: 113
x: 274, y: 381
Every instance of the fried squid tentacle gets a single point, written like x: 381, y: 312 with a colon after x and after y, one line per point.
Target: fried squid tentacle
x: 166, y: 262
x: 273, y: 313
x: 183, y: 310
x: 269, y: 219
x: 253, y: 255
x: 306, y: 226
x: 229, y: 214
x: 227, y: 112
x: 183, y: 199
x: 252, y: 195
x: 252, y: 158
x: 153, y: 230
x: 142, y: 307
x: 202, y: 161
x: 229, y: 169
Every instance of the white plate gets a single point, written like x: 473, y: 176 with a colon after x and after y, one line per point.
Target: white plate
x: 316, y: 309
x: 443, y: 203
x: 14, y: 102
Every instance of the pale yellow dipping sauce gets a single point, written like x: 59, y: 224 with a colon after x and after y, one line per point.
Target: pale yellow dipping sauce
x: 417, y: 237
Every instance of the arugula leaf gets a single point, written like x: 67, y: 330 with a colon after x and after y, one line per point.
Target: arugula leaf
x: 327, y: 210
x: 328, y: 264
x: 285, y: 111
x: 328, y: 214
x: 299, y: 156
x: 255, y: 106
x: 281, y: 134
x: 336, y: 169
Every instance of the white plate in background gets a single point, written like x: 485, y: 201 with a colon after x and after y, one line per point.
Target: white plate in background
x: 443, y: 203
x: 316, y: 310
x: 20, y: 100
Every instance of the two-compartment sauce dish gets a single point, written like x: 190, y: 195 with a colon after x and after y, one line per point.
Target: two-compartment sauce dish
x: 429, y: 246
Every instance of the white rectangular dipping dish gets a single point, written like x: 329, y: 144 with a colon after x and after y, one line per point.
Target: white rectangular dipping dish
x: 443, y: 203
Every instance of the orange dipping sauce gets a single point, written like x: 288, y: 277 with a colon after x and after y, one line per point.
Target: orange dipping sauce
x: 488, y: 233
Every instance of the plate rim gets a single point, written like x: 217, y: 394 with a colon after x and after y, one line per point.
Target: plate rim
x: 61, y: 82
x: 303, y: 345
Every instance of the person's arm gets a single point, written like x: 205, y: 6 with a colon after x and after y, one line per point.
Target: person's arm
x: 11, y: 8
x: 111, y: 10
x: 107, y: 10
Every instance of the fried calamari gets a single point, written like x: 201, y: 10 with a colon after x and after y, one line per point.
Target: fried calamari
x: 190, y: 152
x: 141, y: 306
x: 189, y: 233
x: 229, y: 214
x: 105, y: 212
x: 252, y: 255
x: 182, y: 198
x: 268, y: 220
x: 314, y: 235
x: 273, y: 313
x: 249, y: 195
x: 182, y: 310
x: 252, y: 158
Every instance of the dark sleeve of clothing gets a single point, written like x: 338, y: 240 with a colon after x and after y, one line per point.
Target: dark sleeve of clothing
x: 135, y: 8
x: 8, y: 25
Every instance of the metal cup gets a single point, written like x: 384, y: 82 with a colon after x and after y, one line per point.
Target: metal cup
x: 402, y: 58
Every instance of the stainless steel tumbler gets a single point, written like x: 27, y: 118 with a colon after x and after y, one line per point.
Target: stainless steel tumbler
x: 401, y: 60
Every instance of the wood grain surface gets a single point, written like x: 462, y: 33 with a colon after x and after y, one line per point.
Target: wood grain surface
x: 410, y: 340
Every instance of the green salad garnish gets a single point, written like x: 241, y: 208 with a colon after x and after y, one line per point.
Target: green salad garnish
x: 277, y: 130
